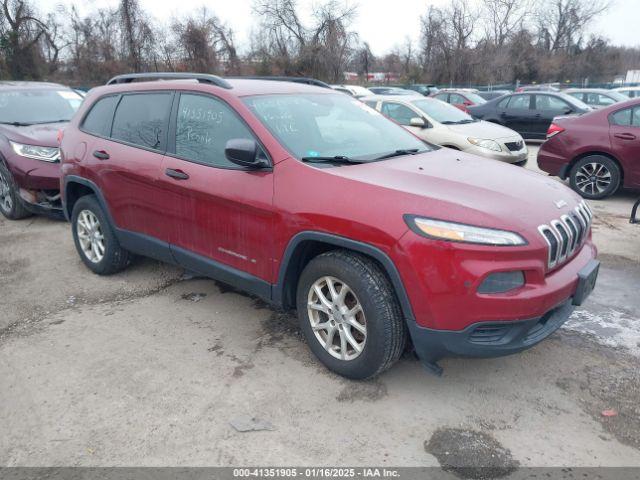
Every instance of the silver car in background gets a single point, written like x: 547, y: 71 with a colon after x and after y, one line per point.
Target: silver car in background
x: 442, y: 124
x: 597, y: 97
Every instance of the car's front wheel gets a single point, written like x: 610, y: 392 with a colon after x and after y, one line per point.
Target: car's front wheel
x: 94, y: 238
x: 595, y: 177
x: 350, y: 315
x: 11, y: 205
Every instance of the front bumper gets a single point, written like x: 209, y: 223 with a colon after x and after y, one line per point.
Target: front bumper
x: 486, y: 339
x: 38, y: 184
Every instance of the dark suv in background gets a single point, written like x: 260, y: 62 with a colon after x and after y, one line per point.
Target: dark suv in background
x: 31, y: 115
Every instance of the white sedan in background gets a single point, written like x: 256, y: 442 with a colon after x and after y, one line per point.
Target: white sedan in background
x: 353, y: 90
x: 442, y: 124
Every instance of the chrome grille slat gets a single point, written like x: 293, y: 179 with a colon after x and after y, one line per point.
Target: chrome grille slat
x: 565, y: 235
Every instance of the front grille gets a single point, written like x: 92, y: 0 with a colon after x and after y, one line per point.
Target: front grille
x: 514, y: 146
x: 565, y: 235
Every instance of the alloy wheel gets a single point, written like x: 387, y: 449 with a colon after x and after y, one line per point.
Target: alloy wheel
x: 90, y: 236
x: 593, y: 178
x: 337, y: 318
x: 6, y: 202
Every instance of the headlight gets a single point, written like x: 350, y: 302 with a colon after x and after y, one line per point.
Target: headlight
x: 46, y: 154
x: 459, y: 232
x: 483, y: 143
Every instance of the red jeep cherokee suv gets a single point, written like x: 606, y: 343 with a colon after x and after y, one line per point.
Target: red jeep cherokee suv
x: 312, y: 200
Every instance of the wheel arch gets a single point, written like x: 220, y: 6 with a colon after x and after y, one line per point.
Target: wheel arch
x: 307, y: 245
x: 580, y: 156
x: 76, y: 187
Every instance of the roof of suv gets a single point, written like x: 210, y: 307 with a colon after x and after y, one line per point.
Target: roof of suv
x: 30, y: 85
x: 240, y: 87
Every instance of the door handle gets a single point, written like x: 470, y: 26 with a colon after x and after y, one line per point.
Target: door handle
x: 625, y: 136
x: 177, y: 174
x: 101, y: 155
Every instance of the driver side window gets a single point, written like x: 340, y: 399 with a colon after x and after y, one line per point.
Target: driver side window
x: 203, y: 127
x: 398, y: 112
x: 519, y: 102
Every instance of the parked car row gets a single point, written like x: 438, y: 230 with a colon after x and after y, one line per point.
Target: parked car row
x: 314, y: 201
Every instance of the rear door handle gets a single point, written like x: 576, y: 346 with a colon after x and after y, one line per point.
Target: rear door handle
x: 101, y: 155
x: 177, y: 174
x: 625, y: 136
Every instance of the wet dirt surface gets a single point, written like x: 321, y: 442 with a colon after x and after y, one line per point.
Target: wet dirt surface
x: 148, y: 367
x: 470, y: 454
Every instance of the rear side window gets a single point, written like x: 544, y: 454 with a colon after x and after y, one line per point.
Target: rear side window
x: 629, y: 117
x: 98, y: 121
x: 203, y: 127
x: 547, y: 103
x: 142, y: 119
x: 372, y: 103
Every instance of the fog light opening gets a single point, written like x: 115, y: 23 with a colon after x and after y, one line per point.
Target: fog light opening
x: 502, y: 282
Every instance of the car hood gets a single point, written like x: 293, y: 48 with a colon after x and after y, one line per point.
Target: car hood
x: 45, y: 135
x: 484, y: 130
x: 456, y: 186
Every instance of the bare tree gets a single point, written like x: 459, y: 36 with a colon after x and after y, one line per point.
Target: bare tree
x: 503, y: 18
x: 562, y: 23
x: 20, y: 32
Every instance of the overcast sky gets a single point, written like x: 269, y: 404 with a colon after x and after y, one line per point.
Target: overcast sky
x: 382, y: 23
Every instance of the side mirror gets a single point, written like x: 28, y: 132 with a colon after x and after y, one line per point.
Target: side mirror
x: 244, y: 152
x: 417, y: 122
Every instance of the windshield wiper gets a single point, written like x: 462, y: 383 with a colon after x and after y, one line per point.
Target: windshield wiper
x: 50, y: 121
x: 334, y: 159
x: 458, y: 122
x: 17, y: 124
x: 398, y: 153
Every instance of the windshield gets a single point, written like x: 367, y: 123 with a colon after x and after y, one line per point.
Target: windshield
x: 329, y: 125
x: 442, y: 112
x: 475, y: 98
x: 38, y: 105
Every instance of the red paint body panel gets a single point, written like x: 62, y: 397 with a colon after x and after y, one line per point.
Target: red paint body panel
x: 247, y: 219
x: 28, y: 173
x: 593, y: 133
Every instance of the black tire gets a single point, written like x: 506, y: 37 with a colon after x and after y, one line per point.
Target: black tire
x: 115, y: 257
x: 15, y: 210
x: 595, y: 190
x: 385, y: 328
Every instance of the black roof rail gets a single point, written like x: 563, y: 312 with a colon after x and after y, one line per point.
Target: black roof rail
x: 200, y: 77
x: 305, y: 80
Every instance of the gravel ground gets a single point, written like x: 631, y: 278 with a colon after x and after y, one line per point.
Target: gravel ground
x: 153, y: 367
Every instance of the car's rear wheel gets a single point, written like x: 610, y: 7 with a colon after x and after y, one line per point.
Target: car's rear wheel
x: 11, y: 205
x: 595, y: 177
x: 94, y: 238
x: 350, y: 315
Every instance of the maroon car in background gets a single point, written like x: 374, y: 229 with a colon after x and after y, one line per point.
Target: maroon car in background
x: 461, y: 98
x: 599, y: 152
x: 31, y: 114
